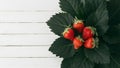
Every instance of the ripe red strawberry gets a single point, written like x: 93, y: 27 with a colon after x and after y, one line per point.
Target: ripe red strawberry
x: 89, y: 43
x: 88, y: 32
x: 68, y: 34
x: 78, y: 25
x: 77, y: 42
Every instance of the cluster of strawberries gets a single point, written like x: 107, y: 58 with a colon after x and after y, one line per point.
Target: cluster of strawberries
x: 86, y: 32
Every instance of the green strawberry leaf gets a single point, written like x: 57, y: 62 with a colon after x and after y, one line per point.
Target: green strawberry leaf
x: 114, y: 12
x: 98, y: 55
x: 99, y: 18
x: 59, y: 22
x: 101, y: 66
x: 112, y: 36
x: 78, y: 61
x: 94, y: 12
x: 115, y: 48
x: 73, y: 7
x: 114, y: 63
x: 80, y: 8
x: 90, y: 6
x: 114, y: 58
x: 62, y: 48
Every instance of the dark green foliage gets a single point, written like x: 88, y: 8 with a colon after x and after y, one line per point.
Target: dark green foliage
x: 98, y: 55
x: 114, y: 12
x: 101, y: 14
x: 77, y: 61
x: 99, y: 17
x: 115, y: 48
x: 63, y: 48
x: 113, y: 35
x: 59, y: 22
x: 115, y: 62
x: 94, y: 12
x: 74, y: 7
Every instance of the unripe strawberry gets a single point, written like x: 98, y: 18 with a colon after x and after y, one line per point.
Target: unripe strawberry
x: 77, y: 42
x: 68, y: 34
x: 89, y: 43
x: 88, y: 32
x: 78, y: 25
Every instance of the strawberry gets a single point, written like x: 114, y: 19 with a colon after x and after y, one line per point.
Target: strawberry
x: 89, y: 43
x: 78, y: 25
x: 77, y: 42
x: 88, y: 32
x: 68, y: 34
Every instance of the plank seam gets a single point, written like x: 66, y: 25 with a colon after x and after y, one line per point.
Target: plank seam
x: 30, y: 10
x: 28, y: 57
x: 26, y: 34
x: 24, y: 45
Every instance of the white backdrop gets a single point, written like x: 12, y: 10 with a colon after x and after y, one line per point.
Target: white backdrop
x: 24, y: 35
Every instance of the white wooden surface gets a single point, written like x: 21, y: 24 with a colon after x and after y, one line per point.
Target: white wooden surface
x: 24, y: 35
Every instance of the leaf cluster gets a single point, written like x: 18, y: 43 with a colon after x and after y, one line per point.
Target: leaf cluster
x: 101, y: 14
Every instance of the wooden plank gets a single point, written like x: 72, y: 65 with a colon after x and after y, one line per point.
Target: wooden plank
x: 41, y: 16
x: 29, y: 4
x: 25, y: 52
x: 44, y: 39
x: 30, y: 62
x: 24, y: 28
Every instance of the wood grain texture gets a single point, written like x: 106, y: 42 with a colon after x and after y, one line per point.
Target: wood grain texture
x: 29, y: 5
x: 27, y: 39
x: 38, y: 16
x: 24, y: 28
x: 24, y: 36
x: 30, y: 62
x: 25, y: 52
